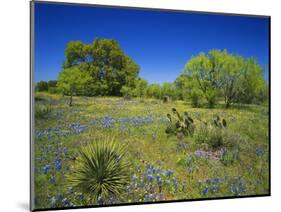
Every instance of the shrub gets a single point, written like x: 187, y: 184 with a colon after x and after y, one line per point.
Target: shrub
x: 101, y: 170
x: 214, y: 134
x: 166, y: 99
x: 126, y: 92
x: 41, y: 111
x: 215, y: 137
x: 211, y: 98
x: 53, y: 90
x: 127, y: 97
x: 229, y: 157
x: 195, y: 98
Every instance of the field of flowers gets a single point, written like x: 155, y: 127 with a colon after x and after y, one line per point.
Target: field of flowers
x: 162, y: 167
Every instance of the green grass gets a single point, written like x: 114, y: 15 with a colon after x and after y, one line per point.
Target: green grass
x: 198, y: 171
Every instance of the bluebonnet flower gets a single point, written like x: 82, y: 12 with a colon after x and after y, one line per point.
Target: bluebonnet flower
x: 242, y: 187
x: 176, y: 184
x: 111, y: 200
x: 150, y: 177
x: 159, y: 162
x: 217, y: 179
x: 205, y: 190
x: 158, y: 178
x: 100, y: 200
x: 154, y: 197
x: 198, y: 154
x: 234, y: 189
x: 59, y: 197
x: 147, y: 197
x: 107, y: 122
x: 260, y: 152
x: 208, y: 181
x: 65, y: 202
x: 58, y: 164
x: 169, y: 172
x: 215, y: 188
x: 46, y: 168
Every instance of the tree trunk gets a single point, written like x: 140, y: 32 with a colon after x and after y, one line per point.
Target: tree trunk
x: 70, y: 102
x: 227, y: 103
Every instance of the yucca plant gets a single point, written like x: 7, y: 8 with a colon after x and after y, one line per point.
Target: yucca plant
x: 101, y: 170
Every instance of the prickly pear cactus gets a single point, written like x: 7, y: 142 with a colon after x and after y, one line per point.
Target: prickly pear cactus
x: 180, y: 125
x: 220, y: 122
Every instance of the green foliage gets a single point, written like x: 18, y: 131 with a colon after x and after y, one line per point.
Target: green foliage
x: 73, y: 81
x: 180, y: 125
x: 229, y: 157
x: 210, y: 135
x: 41, y: 111
x: 169, y: 89
x: 41, y: 86
x: 126, y: 92
x: 195, y: 97
x: 166, y: 99
x: 109, y: 67
x: 101, y: 169
x: 220, y: 122
x: 213, y: 134
x: 200, y: 70
x: 219, y: 72
x: 52, y: 86
x: 253, y: 86
x: 154, y: 90
x: 140, y: 88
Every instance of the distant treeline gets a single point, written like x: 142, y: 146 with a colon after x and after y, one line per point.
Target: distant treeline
x: 103, y: 69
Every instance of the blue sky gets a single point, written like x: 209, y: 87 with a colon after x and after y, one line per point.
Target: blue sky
x: 160, y: 42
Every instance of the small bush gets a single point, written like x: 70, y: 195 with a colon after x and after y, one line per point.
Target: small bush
x: 127, y: 97
x: 229, y: 157
x: 53, y: 90
x: 101, y: 170
x: 211, y: 98
x: 215, y: 135
x: 195, y: 98
x: 166, y: 99
x: 39, y: 98
x: 41, y: 111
